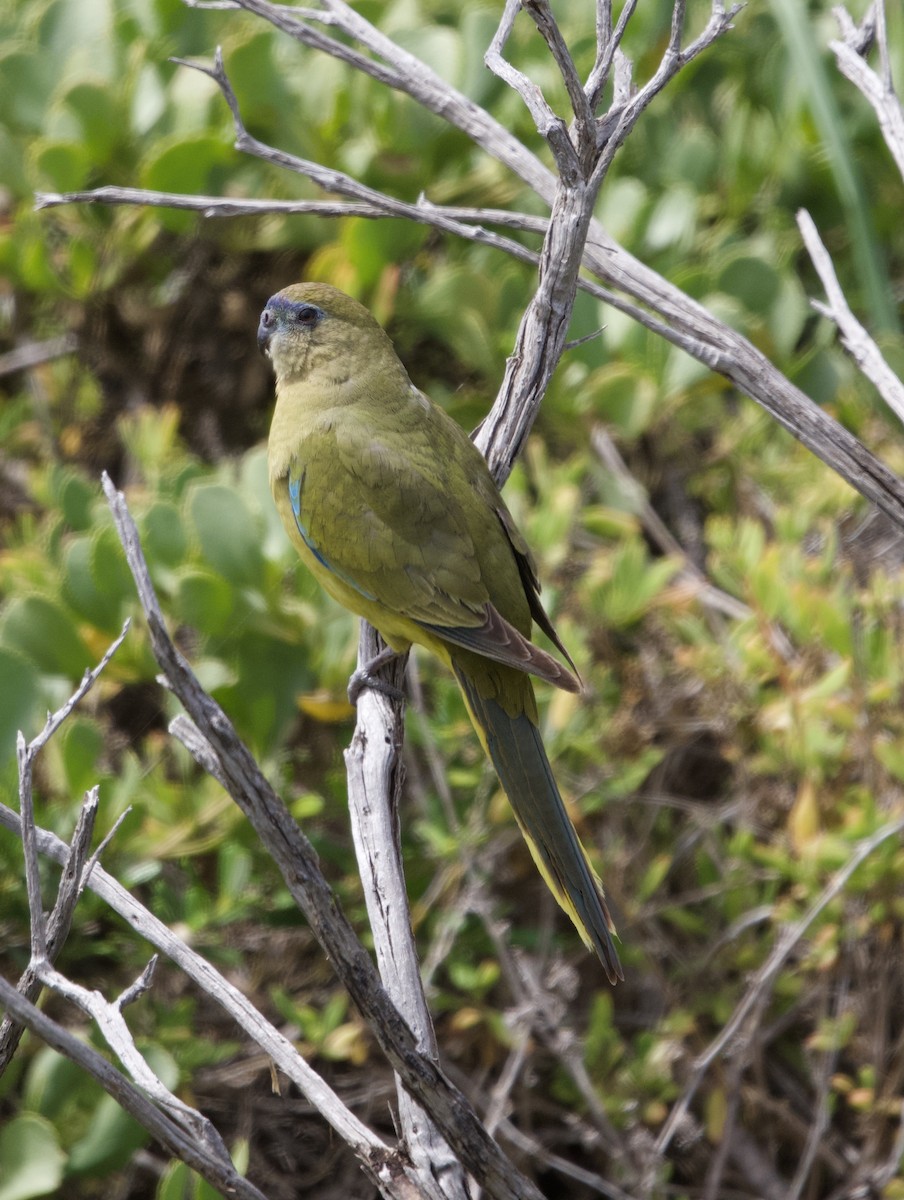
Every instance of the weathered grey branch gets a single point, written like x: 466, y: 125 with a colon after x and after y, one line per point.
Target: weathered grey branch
x: 879, y: 91
x: 854, y: 337
x: 382, y: 1163
x: 374, y: 769
x: 58, y: 923
x: 662, y: 307
x: 171, y: 1133
x: 34, y: 353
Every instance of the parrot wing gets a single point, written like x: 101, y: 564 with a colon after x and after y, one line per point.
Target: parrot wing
x: 442, y: 552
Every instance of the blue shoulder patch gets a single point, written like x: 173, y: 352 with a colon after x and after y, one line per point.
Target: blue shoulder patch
x: 295, y: 501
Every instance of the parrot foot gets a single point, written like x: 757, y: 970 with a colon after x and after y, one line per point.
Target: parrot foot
x: 365, y: 677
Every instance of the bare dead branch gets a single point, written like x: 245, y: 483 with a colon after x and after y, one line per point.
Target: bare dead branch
x: 374, y: 1154
x: 854, y: 337
x: 879, y: 91
x: 171, y: 1132
x: 374, y: 769
x: 34, y: 353
x: 59, y: 922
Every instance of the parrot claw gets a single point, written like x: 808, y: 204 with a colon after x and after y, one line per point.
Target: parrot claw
x: 365, y: 677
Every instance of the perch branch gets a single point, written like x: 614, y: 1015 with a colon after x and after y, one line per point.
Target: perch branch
x: 374, y: 769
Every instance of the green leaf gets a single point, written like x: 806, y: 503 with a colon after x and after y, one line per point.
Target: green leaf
x: 82, y: 743
x: 28, y: 79
x: 79, y: 587
x: 18, y: 698
x: 112, y: 1138
x: 97, y: 109
x: 111, y: 573
x: 205, y: 601
x: 752, y: 280
x: 51, y: 1082
x: 176, y: 1183
x: 182, y: 164
x: 164, y: 538
x: 229, y: 535
x: 31, y: 1161
x: 75, y: 497
x: 46, y: 633
x: 634, y: 581
x: 60, y: 166
x: 673, y: 219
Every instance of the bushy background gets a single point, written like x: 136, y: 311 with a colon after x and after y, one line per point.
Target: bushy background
x: 721, y: 769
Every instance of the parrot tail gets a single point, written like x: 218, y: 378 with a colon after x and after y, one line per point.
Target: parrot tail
x: 516, y: 751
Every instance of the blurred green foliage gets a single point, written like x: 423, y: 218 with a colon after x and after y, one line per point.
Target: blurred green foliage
x: 720, y: 769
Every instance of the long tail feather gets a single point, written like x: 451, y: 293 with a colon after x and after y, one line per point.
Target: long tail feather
x: 516, y: 751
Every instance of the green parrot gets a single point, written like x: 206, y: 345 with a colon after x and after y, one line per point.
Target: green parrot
x: 393, y: 509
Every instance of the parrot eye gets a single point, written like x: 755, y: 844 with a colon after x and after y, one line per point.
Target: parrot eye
x: 307, y: 315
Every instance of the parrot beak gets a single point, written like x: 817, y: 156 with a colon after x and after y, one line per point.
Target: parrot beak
x: 265, y: 331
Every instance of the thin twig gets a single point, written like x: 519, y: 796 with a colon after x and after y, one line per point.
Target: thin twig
x: 768, y: 972
x: 104, y: 843
x: 34, y: 353
x: 854, y: 337
x: 569, y: 1170
x: 822, y: 1110
x: 878, y: 91
x: 59, y: 922
x: 608, y: 43
x: 26, y: 754
x: 659, y: 532
x: 549, y: 125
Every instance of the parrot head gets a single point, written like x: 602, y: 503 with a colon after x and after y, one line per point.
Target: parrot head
x: 309, y: 327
